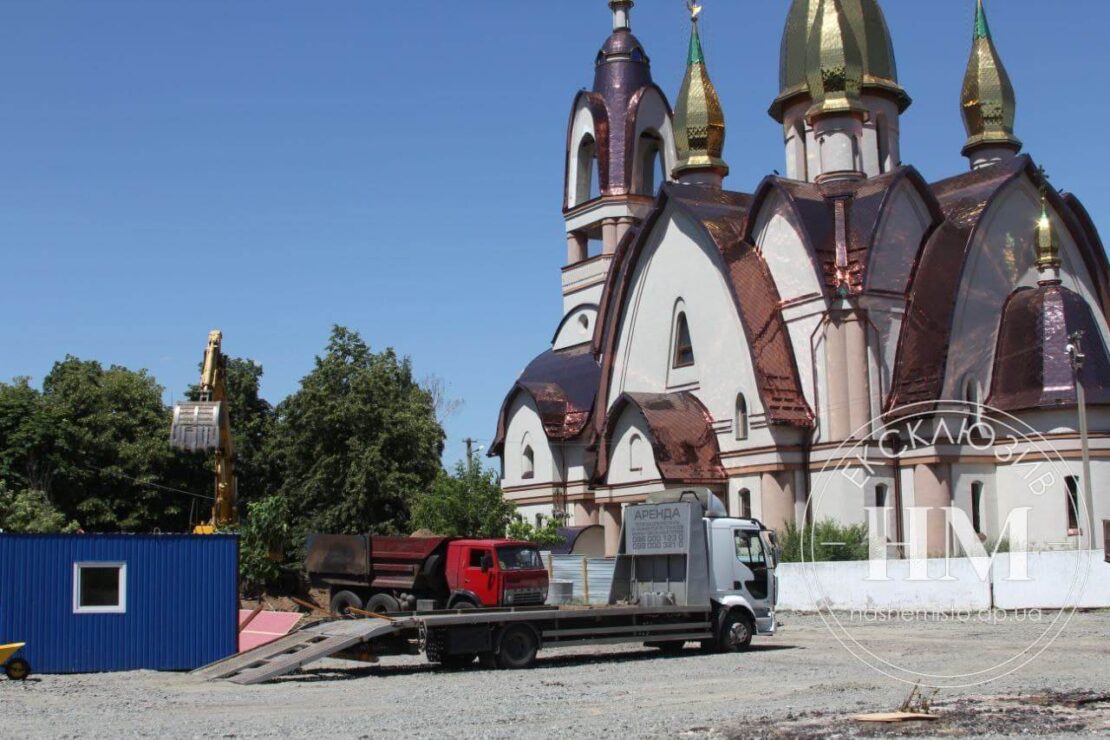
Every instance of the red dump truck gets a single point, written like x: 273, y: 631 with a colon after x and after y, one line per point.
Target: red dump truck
x: 406, y: 574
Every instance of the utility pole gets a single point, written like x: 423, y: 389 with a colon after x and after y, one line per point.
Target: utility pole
x: 470, y: 442
x: 1075, y: 354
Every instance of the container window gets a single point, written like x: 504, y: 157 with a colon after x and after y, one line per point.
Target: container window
x: 99, y: 588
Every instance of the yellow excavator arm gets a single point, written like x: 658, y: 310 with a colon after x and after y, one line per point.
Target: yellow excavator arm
x: 205, y: 426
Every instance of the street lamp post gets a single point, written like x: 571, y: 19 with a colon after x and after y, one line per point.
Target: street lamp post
x: 1075, y: 354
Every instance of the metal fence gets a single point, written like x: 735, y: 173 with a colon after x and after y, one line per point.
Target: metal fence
x: 590, y: 578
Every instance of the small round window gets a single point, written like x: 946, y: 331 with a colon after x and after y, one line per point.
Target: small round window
x: 583, y: 324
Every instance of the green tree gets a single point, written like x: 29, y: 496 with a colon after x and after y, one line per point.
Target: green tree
x: 27, y: 436
x: 545, y: 534
x: 30, y: 511
x: 467, y: 503
x: 358, y: 442
x: 108, y: 458
x: 264, y: 541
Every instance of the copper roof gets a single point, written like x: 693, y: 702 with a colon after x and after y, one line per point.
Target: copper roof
x: 840, y: 221
x: 562, y: 384
x: 682, y: 437
x: 926, y: 330
x: 723, y: 216
x: 1031, y: 364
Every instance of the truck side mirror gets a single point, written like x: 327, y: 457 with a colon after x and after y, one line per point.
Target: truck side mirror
x: 487, y: 563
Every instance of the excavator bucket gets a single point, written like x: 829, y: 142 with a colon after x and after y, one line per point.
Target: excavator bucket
x: 196, y: 426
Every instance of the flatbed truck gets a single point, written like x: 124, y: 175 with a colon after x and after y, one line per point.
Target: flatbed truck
x: 685, y: 572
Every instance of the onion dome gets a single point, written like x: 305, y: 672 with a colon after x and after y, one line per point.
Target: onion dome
x: 1048, y: 243
x: 699, y: 121
x: 834, y: 64
x: 863, y: 20
x: 988, y: 100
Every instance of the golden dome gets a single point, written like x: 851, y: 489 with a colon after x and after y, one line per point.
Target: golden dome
x: 699, y: 122
x: 863, y: 20
x: 1048, y: 243
x: 988, y: 101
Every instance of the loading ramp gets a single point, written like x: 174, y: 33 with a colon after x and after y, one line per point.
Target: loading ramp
x: 289, y: 653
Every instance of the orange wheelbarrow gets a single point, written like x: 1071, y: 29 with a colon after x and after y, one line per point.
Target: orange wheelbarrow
x: 16, y: 669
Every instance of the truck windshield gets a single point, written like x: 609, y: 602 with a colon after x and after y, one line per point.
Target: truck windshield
x: 519, y: 557
x: 749, y: 548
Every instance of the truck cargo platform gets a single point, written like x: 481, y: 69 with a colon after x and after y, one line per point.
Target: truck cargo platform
x: 289, y: 653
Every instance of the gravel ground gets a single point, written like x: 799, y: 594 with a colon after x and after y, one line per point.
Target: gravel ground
x: 800, y: 683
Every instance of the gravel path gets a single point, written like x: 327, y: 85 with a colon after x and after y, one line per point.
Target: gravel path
x: 799, y: 683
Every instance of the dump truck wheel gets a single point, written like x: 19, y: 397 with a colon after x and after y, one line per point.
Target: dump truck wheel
x: 518, y: 648
x: 17, y: 669
x: 343, y: 601
x: 736, y: 632
x: 382, y: 604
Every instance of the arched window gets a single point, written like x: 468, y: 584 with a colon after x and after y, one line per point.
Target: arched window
x: 741, y: 417
x: 683, y: 346
x: 636, y: 453
x: 882, y: 132
x: 880, y: 496
x: 977, y: 507
x: 971, y: 396
x: 799, y: 152
x: 1071, y: 484
x: 745, y: 503
x: 649, y: 159
x: 587, y: 187
x: 528, y: 462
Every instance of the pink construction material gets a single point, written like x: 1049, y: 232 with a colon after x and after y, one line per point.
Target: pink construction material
x: 264, y: 628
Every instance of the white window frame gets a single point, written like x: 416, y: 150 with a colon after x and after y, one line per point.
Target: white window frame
x: 120, y: 608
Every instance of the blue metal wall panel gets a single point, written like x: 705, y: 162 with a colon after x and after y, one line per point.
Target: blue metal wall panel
x: 182, y: 601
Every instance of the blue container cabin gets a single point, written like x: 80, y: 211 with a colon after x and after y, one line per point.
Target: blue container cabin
x: 87, y: 603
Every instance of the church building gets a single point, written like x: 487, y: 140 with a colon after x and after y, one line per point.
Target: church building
x: 740, y: 337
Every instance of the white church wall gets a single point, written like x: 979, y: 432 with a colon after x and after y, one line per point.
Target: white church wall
x: 577, y: 327
x: 525, y: 428
x: 626, y: 465
x: 582, y: 127
x: 898, y: 240
x: 780, y: 242
x: 653, y: 117
x: 530, y: 512
x: 676, y: 266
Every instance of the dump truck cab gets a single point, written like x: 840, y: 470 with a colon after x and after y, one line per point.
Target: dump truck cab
x: 495, y: 573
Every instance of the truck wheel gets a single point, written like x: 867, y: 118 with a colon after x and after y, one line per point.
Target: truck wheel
x: 17, y: 669
x: 518, y: 647
x: 382, y: 604
x: 343, y: 601
x: 736, y: 632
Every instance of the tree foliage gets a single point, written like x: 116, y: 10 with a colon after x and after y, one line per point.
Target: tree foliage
x: 94, y: 442
x: 824, y: 541
x: 358, y: 442
x: 30, y: 512
x: 264, y: 541
x: 467, y: 503
x: 545, y: 534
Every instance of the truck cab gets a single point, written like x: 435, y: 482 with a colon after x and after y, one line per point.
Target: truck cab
x: 681, y: 549
x: 495, y: 573
x: 742, y: 572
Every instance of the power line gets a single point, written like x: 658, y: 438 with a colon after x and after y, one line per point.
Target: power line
x: 145, y: 483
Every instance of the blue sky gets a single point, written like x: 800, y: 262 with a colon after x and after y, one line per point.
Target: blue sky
x: 273, y: 167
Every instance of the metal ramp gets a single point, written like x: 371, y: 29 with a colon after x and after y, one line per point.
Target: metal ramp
x: 289, y: 653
